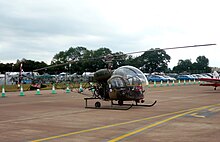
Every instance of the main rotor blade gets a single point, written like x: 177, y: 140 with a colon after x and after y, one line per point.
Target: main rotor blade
x: 73, y: 61
x: 191, y: 46
x: 56, y: 65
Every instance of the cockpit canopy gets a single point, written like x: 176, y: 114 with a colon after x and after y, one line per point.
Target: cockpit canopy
x: 128, y: 76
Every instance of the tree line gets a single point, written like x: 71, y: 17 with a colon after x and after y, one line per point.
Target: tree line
x: 90, y: 61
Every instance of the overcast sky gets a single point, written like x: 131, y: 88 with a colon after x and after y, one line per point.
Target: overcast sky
x: 38, y: 29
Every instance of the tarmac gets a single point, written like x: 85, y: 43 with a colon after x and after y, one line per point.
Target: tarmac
x: 187, y: 113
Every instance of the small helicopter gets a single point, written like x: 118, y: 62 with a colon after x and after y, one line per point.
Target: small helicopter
x: 126, y: 83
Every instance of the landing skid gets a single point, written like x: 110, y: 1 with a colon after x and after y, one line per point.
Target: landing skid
x: 120, y: 103
x: 111, y: 108
x: 136, y: 104
x: 98, y: 105
x: 147, y: 105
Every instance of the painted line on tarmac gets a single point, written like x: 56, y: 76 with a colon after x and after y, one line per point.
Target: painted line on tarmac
x: 216, y: 109
x: 183, y: 112
x: 197, y: 115
x: 206, y: 113
x: 159, y: 122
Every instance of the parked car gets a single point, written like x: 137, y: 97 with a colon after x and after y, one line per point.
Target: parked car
x: 202, y: 76
x: 157, y: 78
x: 169, y: 78
x: 185, y: 77
x: 206, y: 76
x: 210, y: 74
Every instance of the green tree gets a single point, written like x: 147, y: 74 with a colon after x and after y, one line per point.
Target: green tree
x: 183, y: 66
x: 81, y: 58
x: 201, y: 65
x: 28, y: 65
x: 153, y: 60
x: 72, y: 54
x: 202, y: 61
x: 95, y: 60
x: 120, y: 59
x: 2, y: 66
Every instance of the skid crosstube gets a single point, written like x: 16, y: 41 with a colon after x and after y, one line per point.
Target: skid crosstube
x: 143, y: 105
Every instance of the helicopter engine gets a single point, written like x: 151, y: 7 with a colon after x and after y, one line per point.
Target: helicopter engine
x: 102, y: 75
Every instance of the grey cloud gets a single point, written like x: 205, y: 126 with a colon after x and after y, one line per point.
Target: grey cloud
x: 39, y: 29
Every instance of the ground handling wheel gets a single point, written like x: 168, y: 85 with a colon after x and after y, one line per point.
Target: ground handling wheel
x: 120, y: 102
x: 97, y: 105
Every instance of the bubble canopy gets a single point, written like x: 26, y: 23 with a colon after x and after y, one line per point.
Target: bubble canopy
x: 131, y: 76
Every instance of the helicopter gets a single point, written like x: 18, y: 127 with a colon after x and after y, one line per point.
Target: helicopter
x: 126, y: 83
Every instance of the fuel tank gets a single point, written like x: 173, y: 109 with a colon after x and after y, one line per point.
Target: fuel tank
x: 102, y: 75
